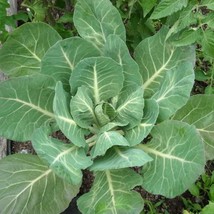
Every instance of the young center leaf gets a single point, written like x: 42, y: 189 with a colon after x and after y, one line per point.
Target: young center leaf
x: 102, y: 75
x: 27, y: 185
x: 82, y: 108
x: 167, y: 72
x: 120, y: 157
x: 138, y: 133
x: 178, y: 154
x: 199, y: 111
x: 66, y: 160
x: 67, y: 125
x: 111, y: 193
x: 26, y: 104
x: 95, y: 20
x: 60, y: 60
x: 106, y: 140
x: 22, y: 53
x: 131, y: 107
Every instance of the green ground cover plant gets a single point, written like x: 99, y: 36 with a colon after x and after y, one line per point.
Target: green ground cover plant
x: 116, y: 111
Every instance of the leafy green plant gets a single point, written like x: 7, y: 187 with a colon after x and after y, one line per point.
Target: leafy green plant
x: 115, y: 111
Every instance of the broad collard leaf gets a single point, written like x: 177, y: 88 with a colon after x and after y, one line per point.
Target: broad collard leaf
x: 60, y: 60
x: 167, y: 72
x: 178, y: 154
x: 66, y: 160
x: 167, y: 7
x: 82, y: 108
x: 131, y: 108
x: 137, y: 134
x: 29, y: 186
x: 26, y: 104
x: 120, y: 157
x: 106, y: 140
x: 63, y: 117
x: 22, y: 53
x: 116, y: 48
x: 199, y: 111
x: 111, y: 194
x: 95, y: 20
x: 102, y: 75
x: 147, y: 6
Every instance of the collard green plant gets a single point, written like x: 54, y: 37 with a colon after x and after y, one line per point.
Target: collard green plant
x: 116, y: 113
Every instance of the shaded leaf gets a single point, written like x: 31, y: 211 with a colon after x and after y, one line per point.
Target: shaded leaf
x: 95, y: 20
x: 26, y: 186
x: 60, y: 60
x: 102, y: 75
x: 66, y: 160
x: 178, y: 154
x: 106, y: 140
x: 26, y: 104
x: 112, y: 190
x: 120, y: 157
x: 138, y: 133
x: 63, y: 117
x: 199, y: 111
x: 21, y: 54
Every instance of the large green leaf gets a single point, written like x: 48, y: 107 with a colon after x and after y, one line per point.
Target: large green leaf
x: 167, y: 7
x: 60, y: 60
x: 137, y: 134
x: 178, y: 154
x: 116, y: 48
x: 66, y: 160
x: 120, y: 157
x: 106, y: 140
x: 26, y: 104
x: 82, y: 108
x: 131, y: 108
x: 111, y: 194
x: 95, y: 20
x: 21, y: 54
x: 102, y: 75
x: 199, y: 111
x: 63, y: 117
x: 29, y: 186
x: 167, y: 72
